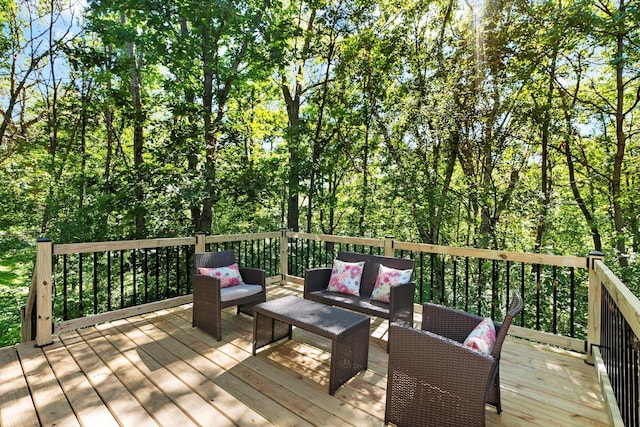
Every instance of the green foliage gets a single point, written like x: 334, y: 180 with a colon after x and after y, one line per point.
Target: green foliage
x: 16, y: 264
x: 505, y: 125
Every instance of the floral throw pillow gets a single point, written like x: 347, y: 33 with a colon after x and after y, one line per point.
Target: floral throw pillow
x: 388, y: 277
x: 345, y: 277
x: 229, y: 275
x: 483, y: 337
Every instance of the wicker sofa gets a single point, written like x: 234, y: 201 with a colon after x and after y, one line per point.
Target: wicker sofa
x: 400, y: 307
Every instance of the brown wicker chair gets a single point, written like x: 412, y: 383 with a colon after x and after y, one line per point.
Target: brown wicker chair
x: 209, y: 298
x: 433, y: 379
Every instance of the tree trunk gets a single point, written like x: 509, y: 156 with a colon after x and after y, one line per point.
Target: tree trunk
x: 294, y: 136
x: 545, y: 183
x: 139, y: 210
x: 616, y: 180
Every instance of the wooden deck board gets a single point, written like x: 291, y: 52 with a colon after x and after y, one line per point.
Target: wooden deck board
x: 116, y: 396
x: 16, y: 405
x: 86, y: 403
x: 156, y: 369
x: 48, y: 397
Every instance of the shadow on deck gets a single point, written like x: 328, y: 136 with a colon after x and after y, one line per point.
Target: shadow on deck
x: 157, y: 369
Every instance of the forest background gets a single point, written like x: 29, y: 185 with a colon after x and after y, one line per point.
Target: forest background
x: 504, y: 124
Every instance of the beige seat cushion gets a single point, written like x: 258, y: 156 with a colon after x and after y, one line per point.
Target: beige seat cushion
x: 239, y: 291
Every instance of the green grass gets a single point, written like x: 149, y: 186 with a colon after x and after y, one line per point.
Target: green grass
x: 17, y: 257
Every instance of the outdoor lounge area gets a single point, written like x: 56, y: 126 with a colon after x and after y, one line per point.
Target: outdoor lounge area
x: 129, y: 352
x: 157, y: 369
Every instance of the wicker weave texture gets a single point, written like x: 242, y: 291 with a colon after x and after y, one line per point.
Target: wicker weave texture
x: 434, y: 380
x: 206, y: 291
x: 348, y: 331
x: 400, y: 307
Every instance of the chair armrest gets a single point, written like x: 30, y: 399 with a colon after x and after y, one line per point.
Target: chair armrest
x: 203, y: 280
x: 206, y: 292
x: 448, y: 322
x: 401, y: 303
x: 253, y: 276
x: 316, y: 279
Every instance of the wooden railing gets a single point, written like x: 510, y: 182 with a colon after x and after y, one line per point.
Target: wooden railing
x: 565, y: 296
x: 82, y: 284
x: 617, y: 350
x: 555, y: 288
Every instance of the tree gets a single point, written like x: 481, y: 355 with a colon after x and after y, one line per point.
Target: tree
x: 618, y: 27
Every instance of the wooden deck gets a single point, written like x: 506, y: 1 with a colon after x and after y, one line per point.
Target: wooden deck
x: 157, y: 369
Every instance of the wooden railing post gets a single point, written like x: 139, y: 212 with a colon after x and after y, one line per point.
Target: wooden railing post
x: 595, y: 305
x: 44, y: 294
x: 388, y: 246
x: 201, y: 242
x: 28, y: 313
x: 284, y: 258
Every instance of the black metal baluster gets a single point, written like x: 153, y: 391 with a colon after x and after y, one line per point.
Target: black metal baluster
x: 421, y: 257
x: 454, y: 282
x: 65, y: 289
x: 178, y: 271
x: 95, y: 283
x: 291, y: 249
x: 187, y: 257
x: 494, y: 291
x: 507, y: 299
x: 80, y: 288
x: 625, y: 340
x: 480, y: 287
x: 466, y: 286
x: 522, y: 279
x: 572, y: 304
x: 538, y: 286
x: 268, y: 260
x: 122, y: 279
x: 167, y: 269
x: 441, y: 270
x: 109, y: 291
x: 253, y: 253
x: 157, y: 268
x: 146, y: 275
x: 635, y: 379
x: 134, y: 266
x: 554, y: 282
x: 431, y: 257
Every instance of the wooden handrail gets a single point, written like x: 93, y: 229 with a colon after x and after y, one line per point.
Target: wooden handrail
x: 79, y: 248
x: 531, y: 258
x: 365, y: 241
x: 627, y: 302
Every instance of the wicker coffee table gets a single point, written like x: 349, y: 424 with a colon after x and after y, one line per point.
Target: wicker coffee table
x: 348, y: 331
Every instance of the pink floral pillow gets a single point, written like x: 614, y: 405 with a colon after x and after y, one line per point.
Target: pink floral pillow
x: 229, y: 275
x: 388, y: 277
x: 483, y: 337
x: 345, y: 277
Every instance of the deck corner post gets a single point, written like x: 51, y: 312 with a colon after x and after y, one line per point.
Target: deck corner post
x: 595, y: 303
x: 389, y: 246
x: 284, y: 258
x: 44, y: 292
x: 201, y: 242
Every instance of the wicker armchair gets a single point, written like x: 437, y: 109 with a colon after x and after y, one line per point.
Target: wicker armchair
x: 436, y: 381
x: 209, y: 298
